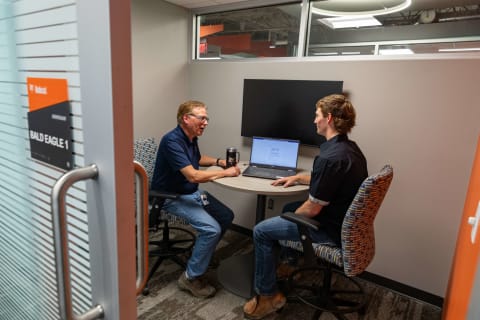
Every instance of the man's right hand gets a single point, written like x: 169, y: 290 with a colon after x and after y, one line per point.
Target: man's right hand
x: 286, y: 181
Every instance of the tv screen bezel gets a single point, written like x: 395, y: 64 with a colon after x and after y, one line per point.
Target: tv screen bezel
x: 296, y: 104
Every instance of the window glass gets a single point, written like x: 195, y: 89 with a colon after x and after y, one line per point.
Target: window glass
x: 428, y: 27
x: 250, y: 33
x: 434, y: 47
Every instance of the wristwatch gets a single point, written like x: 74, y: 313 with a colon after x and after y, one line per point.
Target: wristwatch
x: 218, y: 162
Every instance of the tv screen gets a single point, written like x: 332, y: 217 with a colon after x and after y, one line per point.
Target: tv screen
x: 284, y: 108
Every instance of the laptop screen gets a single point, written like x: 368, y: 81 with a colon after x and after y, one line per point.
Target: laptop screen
x: 274, y: 152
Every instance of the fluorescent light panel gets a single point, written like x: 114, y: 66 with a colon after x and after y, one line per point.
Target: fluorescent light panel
x: 332, y: 53
x: 336, y: 13
x: 386, y: 52
x: 459, y: 50
x: 350, y: 22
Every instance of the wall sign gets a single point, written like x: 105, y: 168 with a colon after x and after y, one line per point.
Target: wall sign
x: 49, y: 121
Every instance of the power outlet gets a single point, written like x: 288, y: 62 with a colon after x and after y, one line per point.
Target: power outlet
x: 270, y: 204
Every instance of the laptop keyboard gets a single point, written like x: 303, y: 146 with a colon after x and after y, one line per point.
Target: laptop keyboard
x: 267, y: 173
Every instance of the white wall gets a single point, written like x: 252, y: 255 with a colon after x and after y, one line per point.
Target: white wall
x: 160, y: 46
x: 420, y: 116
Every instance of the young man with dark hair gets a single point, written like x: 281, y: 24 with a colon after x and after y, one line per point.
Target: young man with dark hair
x: 337, y: 173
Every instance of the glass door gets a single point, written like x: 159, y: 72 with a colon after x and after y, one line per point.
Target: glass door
x: 85, y: 44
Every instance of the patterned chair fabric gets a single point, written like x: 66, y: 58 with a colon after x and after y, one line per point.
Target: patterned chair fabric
x: 145, y: 152
x: 358, y: 239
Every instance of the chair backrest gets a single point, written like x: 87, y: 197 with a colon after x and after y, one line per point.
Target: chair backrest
x: 358, y: 238
x: 145, y: 152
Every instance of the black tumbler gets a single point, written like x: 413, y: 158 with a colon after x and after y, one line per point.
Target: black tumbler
x: 233, y: 156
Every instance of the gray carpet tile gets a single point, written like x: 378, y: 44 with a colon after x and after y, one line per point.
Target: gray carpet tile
x: 167, y: 301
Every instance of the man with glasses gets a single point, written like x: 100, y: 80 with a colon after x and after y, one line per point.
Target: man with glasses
x: 177, y: 171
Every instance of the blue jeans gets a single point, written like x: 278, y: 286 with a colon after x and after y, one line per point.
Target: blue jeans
x: 209, y: 218
x: 266, y: 235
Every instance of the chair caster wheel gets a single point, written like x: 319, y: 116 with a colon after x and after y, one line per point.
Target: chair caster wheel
x: 146, y: 291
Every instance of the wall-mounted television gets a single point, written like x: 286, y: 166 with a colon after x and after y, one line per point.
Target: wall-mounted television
x: 284, y: 108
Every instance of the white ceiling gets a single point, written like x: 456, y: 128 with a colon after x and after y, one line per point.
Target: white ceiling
x: 416, y: 4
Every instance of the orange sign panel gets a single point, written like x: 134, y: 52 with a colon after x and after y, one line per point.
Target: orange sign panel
x: 45, y: 92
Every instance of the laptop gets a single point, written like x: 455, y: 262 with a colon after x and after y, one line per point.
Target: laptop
x: 272, y: 158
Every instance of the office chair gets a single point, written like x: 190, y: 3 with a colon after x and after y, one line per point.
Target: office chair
x: 342, y: 294
x: 174, y: 241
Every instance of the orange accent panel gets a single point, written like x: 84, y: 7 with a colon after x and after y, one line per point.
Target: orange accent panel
x: 262, y: 49
x: 232, y: 44
x: 465, y: 261
x: 45, y: 92
x: 211, y: 29
x: 236, y: 43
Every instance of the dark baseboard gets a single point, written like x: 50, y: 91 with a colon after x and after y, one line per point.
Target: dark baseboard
x: 378, y: 280
x: 403, y: 289
x: 245, y: 231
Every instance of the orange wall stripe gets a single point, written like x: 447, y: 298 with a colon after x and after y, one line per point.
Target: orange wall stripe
x: 237, y: 42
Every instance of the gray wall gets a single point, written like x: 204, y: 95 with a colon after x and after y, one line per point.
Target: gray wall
x: 419, y: 115
x: 160, y: 49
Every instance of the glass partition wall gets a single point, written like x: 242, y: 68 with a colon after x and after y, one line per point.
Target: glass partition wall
x: 427, y: 27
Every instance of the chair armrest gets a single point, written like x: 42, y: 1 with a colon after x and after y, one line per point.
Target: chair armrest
x: 163, y: 194
x: 304, y: 224
x: 301, y: 220
x: 157, y: 198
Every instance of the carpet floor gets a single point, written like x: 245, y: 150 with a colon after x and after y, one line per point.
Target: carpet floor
x: 166, y: 301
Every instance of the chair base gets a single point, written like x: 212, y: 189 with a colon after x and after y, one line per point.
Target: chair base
x: 319, y: 289
x: 169, y: 249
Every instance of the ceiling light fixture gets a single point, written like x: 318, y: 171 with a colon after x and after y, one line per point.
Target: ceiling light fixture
x: 385, y: 52
x: 459, y: 50
x: 332, y: 53
x: 337, y: 8
x: 350, y: 22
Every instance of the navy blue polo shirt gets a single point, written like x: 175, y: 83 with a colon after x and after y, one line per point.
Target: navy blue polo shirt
x: 174, y: 153
x: 338, y: 171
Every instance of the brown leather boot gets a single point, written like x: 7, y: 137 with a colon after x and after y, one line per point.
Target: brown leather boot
x: 260, y: 306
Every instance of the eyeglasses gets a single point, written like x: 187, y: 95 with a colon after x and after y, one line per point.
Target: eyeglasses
x: 201, y: 118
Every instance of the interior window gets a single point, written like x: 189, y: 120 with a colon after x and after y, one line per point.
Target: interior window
x: 418, y: 29
x: 250, y: 33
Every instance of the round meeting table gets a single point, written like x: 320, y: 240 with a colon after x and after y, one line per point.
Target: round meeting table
x: 236, y: 273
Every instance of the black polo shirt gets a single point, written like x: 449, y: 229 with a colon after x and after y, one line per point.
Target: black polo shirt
x: 174, y: 153
x: 338, y: 171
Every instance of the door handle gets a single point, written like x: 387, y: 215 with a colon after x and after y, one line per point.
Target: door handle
x: 58, y: 195
x: 474, y: 221
x: 141, y: 214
